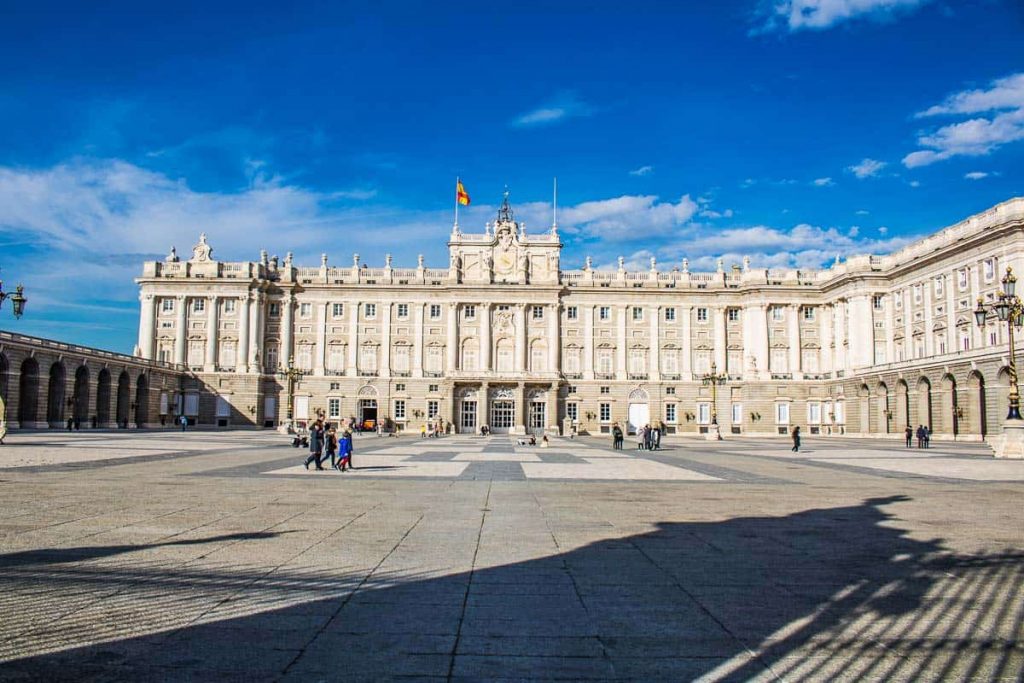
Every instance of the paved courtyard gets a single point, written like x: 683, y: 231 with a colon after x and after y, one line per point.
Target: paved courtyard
x: 217, y: 556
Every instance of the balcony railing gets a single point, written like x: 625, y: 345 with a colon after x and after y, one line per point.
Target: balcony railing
x: 334, y: 372
x: 432, y: 373
x: 782, y: 375
x: 670, y: 377
x: 637, y: 377
x: 572, y: 375
x: 604, y: 375
x: 401, y: 373
x: 367, y: 373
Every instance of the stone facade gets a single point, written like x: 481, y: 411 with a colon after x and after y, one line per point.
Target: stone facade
x: 504, y: 337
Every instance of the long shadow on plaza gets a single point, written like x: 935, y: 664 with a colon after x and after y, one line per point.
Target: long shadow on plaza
x: 821, y: 594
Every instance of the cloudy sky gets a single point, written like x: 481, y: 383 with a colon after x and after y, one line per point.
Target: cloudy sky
x: 787, y: 130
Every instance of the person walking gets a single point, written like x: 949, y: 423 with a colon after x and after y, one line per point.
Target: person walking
x: 656, y: 437
x: 345, y: 452
x: 331, y: 445
x: 183, y: 421
x: 796, y: 440
x: 927, y: 436
x: 616, y: 437
x: 920, y: 436
x: 909, y: 433
x: 316, y: 445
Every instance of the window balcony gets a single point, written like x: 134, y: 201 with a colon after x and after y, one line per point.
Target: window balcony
x: 782, y: 375
x: 432, y: 373
x: 334, y: 372
x: 670, y: 377
x: 402, y: 373
x: 604, y: 375
x: 637, y: 377
x: 367, y: 373
x: 572, y: 375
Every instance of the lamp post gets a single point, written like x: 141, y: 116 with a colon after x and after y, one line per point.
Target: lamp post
x: 291, y: 373
x: 713, y: 379
x: 1009, y: 309
x: 17, y: 299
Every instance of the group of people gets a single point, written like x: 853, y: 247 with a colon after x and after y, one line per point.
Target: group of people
x: 323, y: 438
x: 435, y: 430
x: 648, y: 437
x: 923, y: 434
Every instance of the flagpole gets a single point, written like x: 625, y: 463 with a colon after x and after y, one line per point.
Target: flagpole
x: 456, y: 201
x: 554, y: 207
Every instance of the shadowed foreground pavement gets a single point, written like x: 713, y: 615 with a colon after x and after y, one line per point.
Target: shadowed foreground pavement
x: 143, y: 571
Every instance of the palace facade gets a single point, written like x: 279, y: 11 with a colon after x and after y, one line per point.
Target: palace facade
x: 504, y: 337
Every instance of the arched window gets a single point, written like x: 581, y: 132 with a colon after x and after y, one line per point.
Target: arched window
x: 538, y: 357
x: 504, y: 355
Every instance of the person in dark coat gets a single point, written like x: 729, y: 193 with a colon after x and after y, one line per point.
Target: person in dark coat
x: 920, y: 436
x: 316, y: 444
x: 909, y: 433
x: 796, y: 440
x: 331, y: 445
x: 617, y: 437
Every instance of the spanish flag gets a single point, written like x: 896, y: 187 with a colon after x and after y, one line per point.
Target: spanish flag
x: 461, y: 196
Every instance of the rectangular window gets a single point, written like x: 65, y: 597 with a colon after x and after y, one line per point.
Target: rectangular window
x: 604, y: 313
x: 572, y: 313
x: 469, y: 311
x: 538, y: 312
x: 605, y: 411
x: 274, y: 309
x: 433, y: 409
x: 229, y: 306
x: 670, y: 314
x: 402, y: 310
x: 778, y: 314
x: 337, y: 310
x: 638, y: 314
x: 305, y: 310
x: 961, y: 279
x: 670, y: 413
x: 198, y: 305
x: 737, y: 413
x: 435, y: 311
x: 702, y: 315
x: 990, y: 269
x: 572, y: 411
x: 167, y: 305
x: 918, y: 296
x: 938, y: 286
x: 808, y: 313
x: 814, y: 413
x: 670, y: 391
x: 334, y: 408
x: 733, y: 314
x: 369, y: 311
x: 604, y: 361
x: 434, y: 388
x: 703, y: 413
x: 399, y: 387
x: 606, y: 390
x: 897, y: 300
x: 399, y: 408
x: 335, y: 386
x: 876, y: 302
x: 782, y: 413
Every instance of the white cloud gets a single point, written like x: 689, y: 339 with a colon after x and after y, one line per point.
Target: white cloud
x: 625, y: 217
x: 823, y: 182
x: 642, y: 171
x: 862, y: 212
x: 799, y: 15
x: 975, y: 175
x: 883, y: 230
x: 1003, y: 122
x: 564, y: 106
x: 915, y: 183
x: 867, y: 168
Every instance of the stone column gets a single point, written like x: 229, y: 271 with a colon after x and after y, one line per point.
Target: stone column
x: 977, y: 332
x: 620, y: 348
x: 929, y: 338
x: 655, y: 361
x: 825, y: 324
x: 908, y: 324
x: 453, y: 337
x: 686, y: 343
x: 417, y: 340
x: 890, y: 331
x: 952, y: 340
x: 147, y: 326
x: 840, y: 336
x: 755, y: 330
x: 718, y: 330
x: 793, y: 337
x: 180, y: 331
x: 521, y: 409
x: 554, y: 342
x: 287, y: 329
x: 319, y: 351
x: 484, y: 406
x: 242, y: 359
x: 211, y: 333
x: 588, y: 342
x: 862, y: 342
x: 552, y: 410
x: 353, y: 341
x: 485, y: 336
x: 385, y: 338
x: 254, y: 332
x: 521, y: 337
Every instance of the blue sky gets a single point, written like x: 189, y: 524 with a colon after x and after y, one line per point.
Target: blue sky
x: 789, y: 131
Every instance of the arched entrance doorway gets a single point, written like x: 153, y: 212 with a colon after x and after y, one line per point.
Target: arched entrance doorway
x: 141, y: 401
x: 467, y: 414
x: 975, y: 420
x: 883, y: 413
x: 902, y: 405
x: 103, y: 398
x: 503, y: 410
x: 123, y: 399
x: 28, y: 394
x: 924, y: 403
x: 639, y: 410
x: 537, y: 417
x: 366, y: 407
x: 55, y: 396
x: 80, y: 407
x: 948, y: 418
x: 864, y: 409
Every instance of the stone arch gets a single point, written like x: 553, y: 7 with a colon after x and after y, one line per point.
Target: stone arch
x: 367, y: 391
x: 4, y: 370
x: 103, y: 398
x: 864, y: 409
x: 55, y: 394
x: 882, y: 409
x: 80, y: 406
x: 504, y: 354
x: 948, y: 422
x: 902, y: 412
x: 975, y: 418
x: 28, y: 393
x: 469, y: 349
x: 924, y: 402
x: 538, y: 356
x: 1002, y: 393
x: 124, y: 383
x: 639, y: 395
x: 141, y: 401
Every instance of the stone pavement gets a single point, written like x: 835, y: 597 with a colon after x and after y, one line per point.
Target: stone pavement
x: 216, y: 556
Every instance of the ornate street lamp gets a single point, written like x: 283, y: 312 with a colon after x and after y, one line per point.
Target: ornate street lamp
x: 17, y: 299
x: 1009, y: 309
x: 291, y: 373
x: 713, y: 379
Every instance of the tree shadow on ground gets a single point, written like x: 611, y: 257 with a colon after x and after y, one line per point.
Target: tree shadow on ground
x: 821, y: 594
